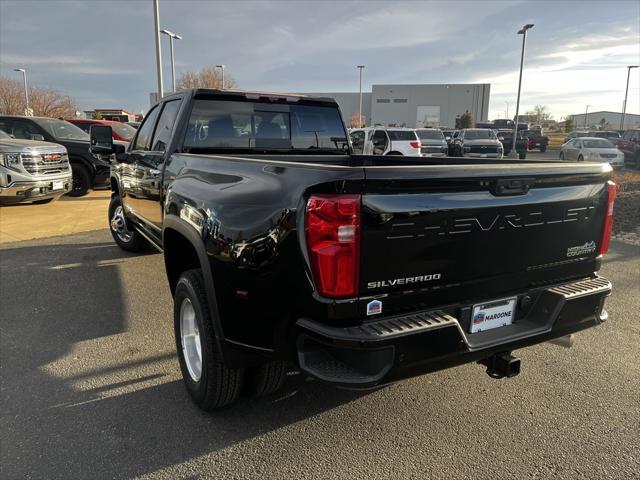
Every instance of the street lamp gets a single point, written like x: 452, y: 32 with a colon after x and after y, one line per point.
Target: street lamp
x: 171, y: 36
x: 523, y: 32
x: 586, y: 113
x: 156, y: 31
x: 360, y: 68
x: 221, y: 67
x: 26, y: 92
x: 624, y: 105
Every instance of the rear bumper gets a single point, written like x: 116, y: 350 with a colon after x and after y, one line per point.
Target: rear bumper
x: 28, y: 191
x: 404, y: 346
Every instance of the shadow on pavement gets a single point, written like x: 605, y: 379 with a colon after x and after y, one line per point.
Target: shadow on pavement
x: 53, y: 298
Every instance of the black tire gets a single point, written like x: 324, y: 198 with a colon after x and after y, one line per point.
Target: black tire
x: 218, y: 385
x: 81, y: 182
x: 561, y: 155
x: 132, y: 241
x: 265, y: 379
x: 581, y: 158
x: 543, y: 149
x: 395, y: 154
x: 522, y: 155
x: 43, y: 201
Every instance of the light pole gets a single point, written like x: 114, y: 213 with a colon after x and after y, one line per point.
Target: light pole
x: 523, y: 32
x: 360, y: 68
x: 221, y: 67
x: 26, y: 91
x: 156, y: 28
x: 171, y: 36
x: 586, y: 113
x: 624, y: 105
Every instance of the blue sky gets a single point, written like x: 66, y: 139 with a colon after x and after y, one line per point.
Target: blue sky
x: 102, y: 52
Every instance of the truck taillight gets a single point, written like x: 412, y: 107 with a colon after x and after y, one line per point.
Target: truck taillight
x: 608, y: 219
x: 417, y: 144
x: 332, y: 230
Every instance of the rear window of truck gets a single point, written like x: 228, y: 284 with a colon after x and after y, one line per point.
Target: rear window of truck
x: 219, y: 125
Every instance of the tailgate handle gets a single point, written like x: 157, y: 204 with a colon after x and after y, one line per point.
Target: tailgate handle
x: 512, y: 186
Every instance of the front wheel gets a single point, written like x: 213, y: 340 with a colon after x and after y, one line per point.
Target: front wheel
x: 581, y: 158
x: 543, y: 149
x: 522, y: 155
x: 209, y: 381
x: 81, y: 180
x: 121, y: 229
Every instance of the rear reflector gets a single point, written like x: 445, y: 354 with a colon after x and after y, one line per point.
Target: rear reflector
x: 608, y: 219
x: 332, y: 231
x: 416, y: 144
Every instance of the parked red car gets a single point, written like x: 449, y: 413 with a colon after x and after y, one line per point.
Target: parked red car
x: 120, y: 131
x: 629, y: 144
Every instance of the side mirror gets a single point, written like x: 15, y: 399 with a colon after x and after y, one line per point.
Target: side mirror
x: 501, y: 138
x: 101, y: 140
x: 37, y: 136
x: 447, y: 138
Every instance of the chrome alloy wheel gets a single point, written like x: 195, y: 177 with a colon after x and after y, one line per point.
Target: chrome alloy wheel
x: 190, y: 340
x: 119, y: 225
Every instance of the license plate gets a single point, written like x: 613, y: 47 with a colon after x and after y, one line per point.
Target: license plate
x: 484, y: 155
x: 498, y: 313
x: 57, y: 185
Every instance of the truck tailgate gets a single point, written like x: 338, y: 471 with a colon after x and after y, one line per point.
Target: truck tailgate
x: 476, y: 231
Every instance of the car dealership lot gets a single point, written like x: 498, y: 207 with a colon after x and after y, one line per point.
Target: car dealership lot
x: 91, y: 388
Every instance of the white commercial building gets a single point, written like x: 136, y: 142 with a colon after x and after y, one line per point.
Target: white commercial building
x: 415, y: 105
x: 608, y: 120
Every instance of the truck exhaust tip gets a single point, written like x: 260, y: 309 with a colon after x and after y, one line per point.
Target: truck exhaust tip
x: 501, y: 365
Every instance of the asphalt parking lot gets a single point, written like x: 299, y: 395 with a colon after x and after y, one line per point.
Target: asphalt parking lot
x: 91, y: 388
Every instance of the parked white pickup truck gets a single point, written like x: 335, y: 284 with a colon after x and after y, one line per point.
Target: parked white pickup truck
x: 32, y: 171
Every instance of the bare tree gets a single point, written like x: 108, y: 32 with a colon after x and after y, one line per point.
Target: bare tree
x: 541, y: 113
x: 208, y: 77
x: 357, y: 121
x: 45, y: 102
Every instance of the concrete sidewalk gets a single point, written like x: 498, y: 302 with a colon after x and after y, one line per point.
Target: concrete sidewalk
x: 63, y: 217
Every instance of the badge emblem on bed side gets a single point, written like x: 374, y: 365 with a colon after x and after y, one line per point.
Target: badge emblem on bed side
x: 374, y: 307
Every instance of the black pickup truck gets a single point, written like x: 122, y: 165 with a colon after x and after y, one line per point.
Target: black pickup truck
x: 280, y: 246
x: 522, y: 142
x: 88, y: 171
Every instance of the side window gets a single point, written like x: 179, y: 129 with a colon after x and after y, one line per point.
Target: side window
x: 357, y: 141
x: 167, y: 118
x: 578, y: 143
x: 379, y: 138
x: 143, y: 140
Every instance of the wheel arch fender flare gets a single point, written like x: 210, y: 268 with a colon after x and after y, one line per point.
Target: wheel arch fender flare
x: 80, y: 160
x: 174, y: 223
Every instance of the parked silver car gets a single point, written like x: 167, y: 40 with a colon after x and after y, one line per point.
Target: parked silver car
x: 32, y: 170
x: 433, y: 142
x: 592, y: 149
